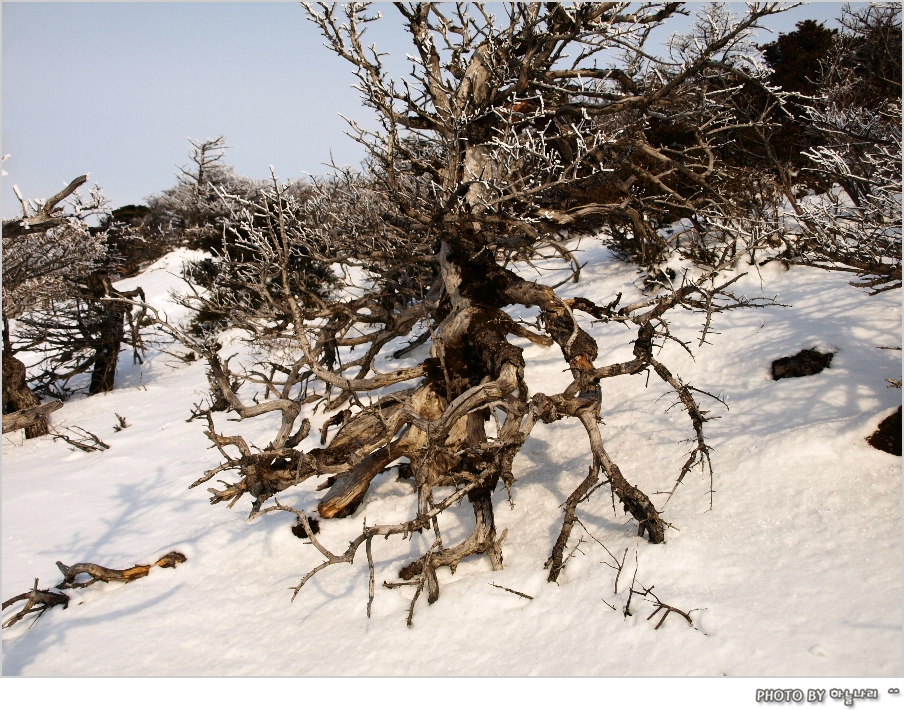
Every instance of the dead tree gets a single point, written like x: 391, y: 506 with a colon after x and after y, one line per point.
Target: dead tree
x: 189, y: 212
x: 474, y: 170
x: 82, y: 332
x: 856, y: 227
x: 851, y: 128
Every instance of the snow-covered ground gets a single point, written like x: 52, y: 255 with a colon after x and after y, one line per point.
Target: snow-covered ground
x: 795, y: 571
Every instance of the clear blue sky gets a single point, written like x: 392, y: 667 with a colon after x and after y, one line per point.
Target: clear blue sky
x: 115, y: 89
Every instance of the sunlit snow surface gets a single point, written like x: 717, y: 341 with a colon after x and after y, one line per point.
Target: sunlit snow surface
x: 796, y: 570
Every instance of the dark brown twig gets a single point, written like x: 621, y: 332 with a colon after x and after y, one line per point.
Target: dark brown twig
x: 668, y: 608
x: 520, y: 594
x: 122, y: 423
x: 618, y: 565
x: 87, y: 442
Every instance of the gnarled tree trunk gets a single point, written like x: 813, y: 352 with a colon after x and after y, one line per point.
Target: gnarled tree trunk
x: 17, y: 396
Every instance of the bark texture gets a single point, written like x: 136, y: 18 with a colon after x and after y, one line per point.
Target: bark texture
x: 18, y: 397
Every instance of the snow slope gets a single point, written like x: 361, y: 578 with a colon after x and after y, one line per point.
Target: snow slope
x: 796, y: 569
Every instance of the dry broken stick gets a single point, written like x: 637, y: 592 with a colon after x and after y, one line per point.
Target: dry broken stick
x: 617, y: 566
x: 658, y: 604
x: 426, y: 576
x: 37, y: 601
x: 122, y: 423
x: 662, y: 606
x: 87, y: 441
x: 520, y: 594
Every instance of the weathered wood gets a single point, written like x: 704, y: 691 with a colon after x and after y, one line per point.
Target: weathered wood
x: 47, y: 217
x: 37, y: 601
x: 27, y: 417
x: 507, y: 164
x: 350, y: 487
x: 105, y: 574
x: 16, y: 394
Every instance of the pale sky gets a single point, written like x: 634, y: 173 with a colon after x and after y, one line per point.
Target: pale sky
x: 116, y: 89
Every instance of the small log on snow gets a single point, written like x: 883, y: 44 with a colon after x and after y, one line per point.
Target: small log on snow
x: 105, y: 574
x: 26, y: 417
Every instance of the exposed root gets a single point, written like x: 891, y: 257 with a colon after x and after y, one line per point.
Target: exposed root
x: 634, y: 501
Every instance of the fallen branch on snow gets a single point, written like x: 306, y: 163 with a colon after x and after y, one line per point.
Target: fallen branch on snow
x: 37, y: 601
x: 26, y: 417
